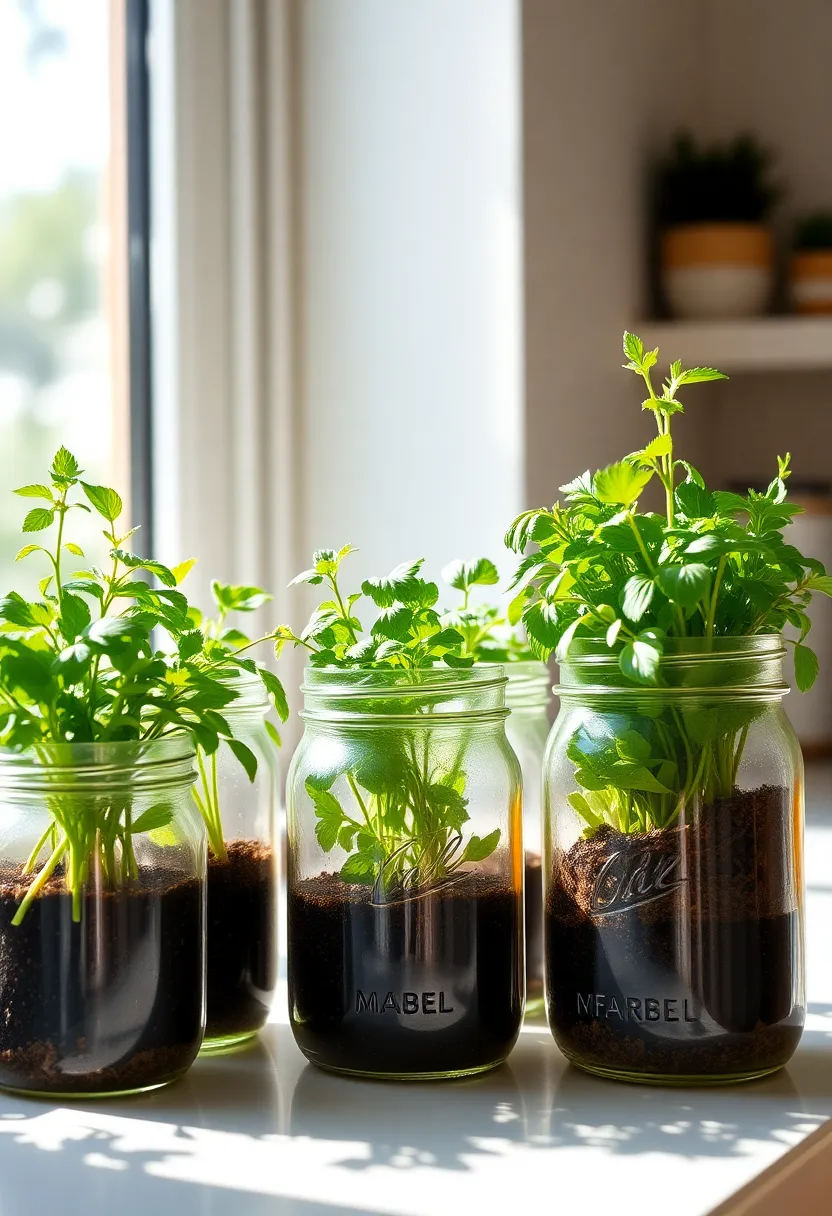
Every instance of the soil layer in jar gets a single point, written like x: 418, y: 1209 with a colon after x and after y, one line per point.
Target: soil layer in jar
x: 108, y: 1004
x: 242, y: 940
x: 424, y: 986
x: 676, y: 952
x: 534, y: 931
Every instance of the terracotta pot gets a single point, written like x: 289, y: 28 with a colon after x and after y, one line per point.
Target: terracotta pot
x: 810, y: 276
x: 717, y: 270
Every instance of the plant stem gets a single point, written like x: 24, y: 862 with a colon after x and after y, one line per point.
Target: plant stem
x: 720, y: 570
x: 40, y: 882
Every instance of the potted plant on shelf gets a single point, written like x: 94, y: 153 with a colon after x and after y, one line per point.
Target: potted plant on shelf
x: 712, y: 207
x: 491, y: 634
x: 403, y: 803
x: 102, y: 852
x: 673, y: 779
x: 810, y: 271
x: 235, y: 793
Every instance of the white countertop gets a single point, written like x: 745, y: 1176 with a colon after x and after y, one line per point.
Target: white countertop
x: 263, y: 1132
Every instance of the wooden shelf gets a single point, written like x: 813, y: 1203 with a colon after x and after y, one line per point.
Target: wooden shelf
x: 758, y: 344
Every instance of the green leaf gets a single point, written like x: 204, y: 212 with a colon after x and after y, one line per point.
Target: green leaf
x: 478, y: 848
x: 106, y: 501
x: 246, y: 757
x: 155, y: 817
x: 15, y: 610
x: 181, y: 571
x: 273, y: 733
x: 27, y: 549
x: 662, y: 445
x: 684, y: 585
x: 74, y: 549
x: 621, y: 483
x: 821, y: 583
x: 399, y: 587
x: 307, y: 576
x: 630, y: 745
x: 65, y: 467
x: 330, y: 816
x: 479, y: 572
x: 35, y: 491
x: 698, y: 375
x: 38, y: 519
x: 394, y: 623
x: 637, y: 596
x: 360, y: 868
x: 238, y: 598
x: 640, y: 661
x: 613, y: 632
x: 132, y: 562
x: 805, y: 667
x: 541, y: 622
x: 75, y: 616
x: 276, y: 691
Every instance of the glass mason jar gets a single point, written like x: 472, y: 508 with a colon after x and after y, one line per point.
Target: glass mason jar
x: 240, y: 817
x: 405, y: 873
x: 102, y: 917
x: 674, y: 866
x: 527, y: 728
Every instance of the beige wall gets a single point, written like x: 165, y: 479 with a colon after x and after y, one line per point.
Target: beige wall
x: 604, y: 85
x: 596, y: 105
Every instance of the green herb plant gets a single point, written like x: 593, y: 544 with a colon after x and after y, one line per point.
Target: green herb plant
x: 719, y: 183
x: 489, y: 631
x: 813, y: 233
x: 84, y: 663
x: 714, y: 564
x: 401, y: 812
x: 223, y: 644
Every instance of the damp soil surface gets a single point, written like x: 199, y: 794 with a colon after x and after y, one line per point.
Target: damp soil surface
x: 534, y: 928
x: 677, y: 952
x: 425, y: 985
x: 242, y: 939
x: 110, y: 1003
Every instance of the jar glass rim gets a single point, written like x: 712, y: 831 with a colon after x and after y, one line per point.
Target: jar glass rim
x: 595, y: 652
x: 399, y: 681
x: 69, y: 767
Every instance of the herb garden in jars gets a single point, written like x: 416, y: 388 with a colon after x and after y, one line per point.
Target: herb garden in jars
x: 451, y: 860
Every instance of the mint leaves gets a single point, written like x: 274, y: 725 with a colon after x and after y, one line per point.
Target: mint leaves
x: 714, y: 564
x: 111, y: 654
x: 398, y: 809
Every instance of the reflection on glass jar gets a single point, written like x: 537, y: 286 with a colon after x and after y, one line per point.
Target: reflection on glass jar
x: 102, y: 906
x: 242, y: 873
x: 405, y: 873
x: 527, y: 727
x: 674, y: 896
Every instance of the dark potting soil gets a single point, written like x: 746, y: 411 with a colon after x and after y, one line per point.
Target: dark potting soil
x: 110, y: 1003
x: 426, y: 985
x: 242, y: 939
x: 676, y: 952
x: 534, y: 928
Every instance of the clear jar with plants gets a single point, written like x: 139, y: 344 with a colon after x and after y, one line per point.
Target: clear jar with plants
x: 405, y: 920
x: 673, y: 779
x: 491, y: 635
x: 102, y: 851
x: 236, y: 794
x: 102, y: 923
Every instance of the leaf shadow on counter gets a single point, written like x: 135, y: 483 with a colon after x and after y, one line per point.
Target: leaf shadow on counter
x: 539, y: 1102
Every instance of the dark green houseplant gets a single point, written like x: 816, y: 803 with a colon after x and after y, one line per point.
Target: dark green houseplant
x: 673, y: 777
x: 712, y: 206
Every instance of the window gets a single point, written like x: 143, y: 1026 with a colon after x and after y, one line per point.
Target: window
x: 61, y: 316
